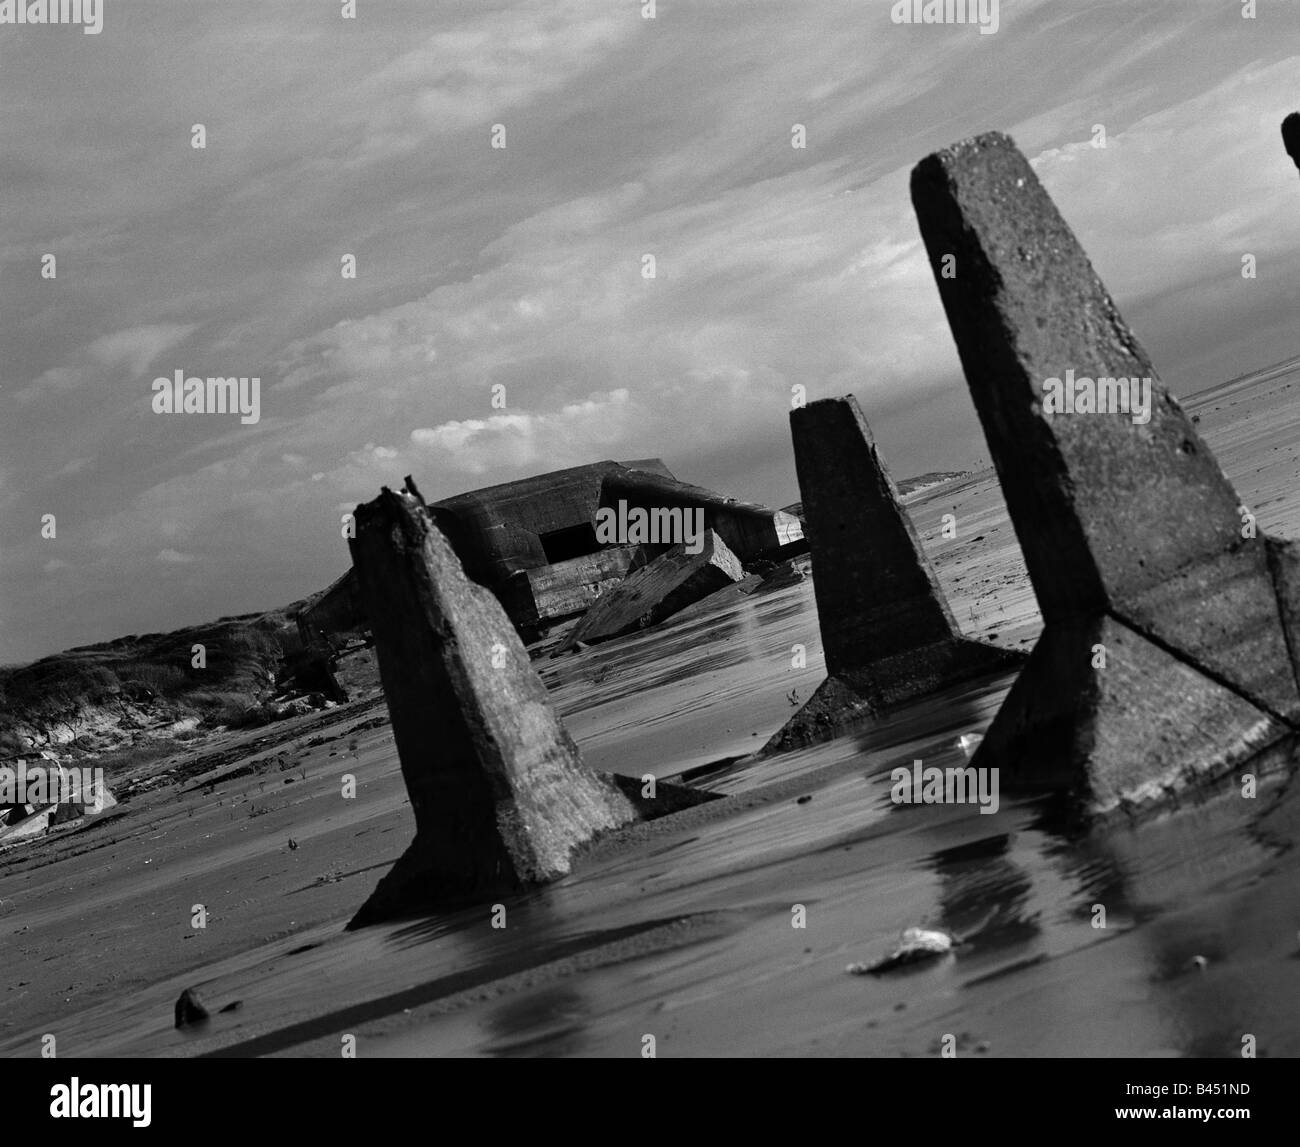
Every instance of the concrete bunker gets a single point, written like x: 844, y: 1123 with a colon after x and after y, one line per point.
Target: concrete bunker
x: 535, y: 542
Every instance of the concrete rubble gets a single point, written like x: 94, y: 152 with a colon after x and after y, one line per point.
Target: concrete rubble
x: 888, y: 634
x: 534, y: 597
x: 71, y: 798
x: 1170, y: 620
x: 655, y: 592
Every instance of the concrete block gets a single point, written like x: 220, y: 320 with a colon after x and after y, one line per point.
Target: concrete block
x: 748, y: 530
x: 551, y: 593
x: 888, y: 634
x: 1121, y: 512
x: 655, y: 592
x: 500, y: 795
x: 1119, y: 734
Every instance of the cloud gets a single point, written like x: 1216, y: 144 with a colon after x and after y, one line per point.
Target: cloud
x: 518, y: 275
x: 56, y: 380
x: 468, y: 77
x: 136, y: 348
x: 1168, y: 209
x: 73, y: 467
x: 575, y: 433
x: 129, y: 350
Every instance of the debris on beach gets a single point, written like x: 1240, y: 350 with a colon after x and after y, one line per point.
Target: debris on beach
x: 660, y: 589
x: 190, y: 1009
x: 917, y: 946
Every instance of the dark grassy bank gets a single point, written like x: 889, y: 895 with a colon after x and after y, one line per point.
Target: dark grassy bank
x: 98, y: 697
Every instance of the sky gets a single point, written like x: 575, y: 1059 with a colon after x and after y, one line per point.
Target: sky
x: 500, y: 322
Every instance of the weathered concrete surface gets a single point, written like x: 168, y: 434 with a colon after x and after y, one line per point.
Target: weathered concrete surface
x: 664, y: 799
x: 871, y: 578
x: 500, y: 795
x: 887, y: 632
x: 337, y: 610
x: 1284, y: 565
x: 1120, y: 736
x: 749, y: 530
x: 1291, y: 136
x: 1116, y: 517
x: 655, y: 592
x: 500, y: 530
x: 549, y: 593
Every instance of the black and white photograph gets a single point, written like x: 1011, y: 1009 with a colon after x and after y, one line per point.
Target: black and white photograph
x: 649, y: 529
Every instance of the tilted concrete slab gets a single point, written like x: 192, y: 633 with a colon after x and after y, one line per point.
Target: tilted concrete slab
x: 749, y: 530
x: 535, y: 597
x: 1121, y: 513
x: 660, y: 589
x: 500, y: 795
x: 888, y: 634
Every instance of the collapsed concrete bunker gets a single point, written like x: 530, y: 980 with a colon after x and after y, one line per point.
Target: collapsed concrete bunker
x: 542, y: 544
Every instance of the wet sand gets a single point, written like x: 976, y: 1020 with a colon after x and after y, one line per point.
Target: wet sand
x: 682, y: 928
